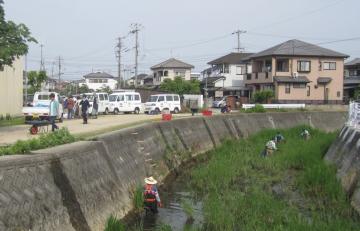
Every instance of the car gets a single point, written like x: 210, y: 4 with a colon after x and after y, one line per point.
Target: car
x: 125, y: 102
x: 160, y: 102
x: 219, y: 102
x: 103, y: 101
x: 40, y: 108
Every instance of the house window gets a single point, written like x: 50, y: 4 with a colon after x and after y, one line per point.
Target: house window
x: 287, y: 88
x: 303, y: 66
x: 308, y: 91
x: 299, y: 85
x: 166, y: 73
x: 338, y: 94
x: 329, y: 65
x: 225, y: 69
x: 282, y: 65
x: 240, y: 70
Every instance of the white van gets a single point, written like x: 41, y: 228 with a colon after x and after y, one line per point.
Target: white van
x: 158, y: 103
x: 125, y: 102
x: 103, y: 101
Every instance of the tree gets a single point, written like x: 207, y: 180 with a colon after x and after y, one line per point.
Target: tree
x: 106, y: 89
x: 36, y: 80
x: 13, y: 39
x: 181, y: 86
x: 84, y: 89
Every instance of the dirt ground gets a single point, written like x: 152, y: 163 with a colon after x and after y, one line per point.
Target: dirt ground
x: 104, y: 123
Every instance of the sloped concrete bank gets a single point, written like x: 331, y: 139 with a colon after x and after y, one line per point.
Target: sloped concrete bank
x: 78, y: 186
x: 344, y: 153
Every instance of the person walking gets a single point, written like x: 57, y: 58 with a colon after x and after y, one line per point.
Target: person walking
x: 53, y: 111
x: 95, y: 107
x: 84, y: 108
x: 151, y: 195
x: 70, y: 107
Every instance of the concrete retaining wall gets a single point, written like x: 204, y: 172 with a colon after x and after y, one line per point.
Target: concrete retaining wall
x: 78, y: 186
x: 344, y: 153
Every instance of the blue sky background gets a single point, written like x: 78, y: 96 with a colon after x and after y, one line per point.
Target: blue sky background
x: 84, y: 32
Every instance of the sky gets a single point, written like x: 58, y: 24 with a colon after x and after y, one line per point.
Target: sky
x: 84, y: 32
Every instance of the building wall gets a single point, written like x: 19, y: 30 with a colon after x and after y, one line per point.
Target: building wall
x: 11, y: 89
x: 95, y: 86
x: 171, y: 74
x: 316, y: 90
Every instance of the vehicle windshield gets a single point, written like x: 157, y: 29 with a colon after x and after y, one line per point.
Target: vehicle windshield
x: 153, y: 98
x: 44, y: 97
x: 112, y: 98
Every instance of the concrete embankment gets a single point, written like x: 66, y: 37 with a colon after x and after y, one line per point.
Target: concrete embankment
x: 344, y: 153
x: 78, y: 186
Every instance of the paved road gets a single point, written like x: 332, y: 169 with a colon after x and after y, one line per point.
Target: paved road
x: 9, y: 135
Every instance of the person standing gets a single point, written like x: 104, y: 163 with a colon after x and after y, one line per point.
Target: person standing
x: 95, y: 107
x: 70, y: 107
x: 84, y: 108
x: 151, y: 195
x: 53, y: 111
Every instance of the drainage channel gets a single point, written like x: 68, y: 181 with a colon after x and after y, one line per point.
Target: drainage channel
x: 177, y: 203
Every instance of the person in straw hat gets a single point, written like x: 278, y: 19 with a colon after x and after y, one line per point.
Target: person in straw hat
x: 151, y: 195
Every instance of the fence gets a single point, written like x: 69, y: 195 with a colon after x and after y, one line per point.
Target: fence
x: 354, y: 114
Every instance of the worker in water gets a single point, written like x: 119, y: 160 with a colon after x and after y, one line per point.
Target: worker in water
x: 279, y: 138
x: 270, y: 147
x: 305, y: 134
x: 151, y: 196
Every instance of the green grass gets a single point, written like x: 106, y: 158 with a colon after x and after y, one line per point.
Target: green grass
x: 292, y: 190
x: 139, y: 199
x: 9, y: 121
x: 61, y: 136
x: 114, y: 224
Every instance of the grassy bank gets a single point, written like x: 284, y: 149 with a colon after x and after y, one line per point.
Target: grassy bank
x: 292, y: 190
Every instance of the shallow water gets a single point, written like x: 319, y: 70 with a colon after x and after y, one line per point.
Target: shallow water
x: 172, y: 213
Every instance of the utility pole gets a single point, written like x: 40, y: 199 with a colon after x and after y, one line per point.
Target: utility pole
x: 239, y: 32
x: 118, y: 54
x: 59, y: 74
x: 26, y: 80
x: 135, y: 30
x: 42, y: 65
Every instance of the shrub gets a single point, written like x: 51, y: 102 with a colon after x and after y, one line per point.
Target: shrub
x: 263, y: 96
x: 61, y: 136
x: 257, y: 109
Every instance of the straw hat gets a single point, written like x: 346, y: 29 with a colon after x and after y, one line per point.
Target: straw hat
x: 150, y: 180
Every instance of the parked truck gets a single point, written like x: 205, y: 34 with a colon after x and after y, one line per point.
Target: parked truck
x: 40, y: 108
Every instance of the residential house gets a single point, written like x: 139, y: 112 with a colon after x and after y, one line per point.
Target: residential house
x: 352, y: 78
x: 195, y: 76
x: 142, y: 80
x: 170, y: 69
x: 98, y: 80
x: 11, y: 88
x: 298, y: 72
x: 227, y: 75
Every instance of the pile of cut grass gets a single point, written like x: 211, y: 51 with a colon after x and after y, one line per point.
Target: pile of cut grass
x: 292, y: 190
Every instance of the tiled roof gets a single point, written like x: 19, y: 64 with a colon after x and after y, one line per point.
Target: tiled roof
x: 232, y: 58
x: 172, y: 63
x: 99, y: 75
x: 324, y: 80
x: 353, y: 62
x: 290, y: 79
x: 298, y: 48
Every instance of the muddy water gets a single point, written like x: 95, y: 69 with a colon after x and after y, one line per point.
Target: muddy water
x: 173, y: 197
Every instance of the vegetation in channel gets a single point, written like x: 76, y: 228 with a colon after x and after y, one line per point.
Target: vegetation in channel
x: 114, y: 224
x: 292, y: 190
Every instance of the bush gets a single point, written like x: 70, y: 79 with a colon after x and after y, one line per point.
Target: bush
x: 257, y: 109
x: 61, y: 136
x: 263, y: 96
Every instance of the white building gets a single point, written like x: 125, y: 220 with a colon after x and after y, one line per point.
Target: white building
x: 170, y: 69
x: 98, y: 80
x: 227, y: 74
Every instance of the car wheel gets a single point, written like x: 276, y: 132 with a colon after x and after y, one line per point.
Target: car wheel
x: 157, y: 111
x: 137, y: 111
x: 106, y: 111
x: 176, y: 110
x: 116, y: 111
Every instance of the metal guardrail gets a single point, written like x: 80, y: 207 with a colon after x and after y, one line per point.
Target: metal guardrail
x: 275, y: 106
x: 354, y: 115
